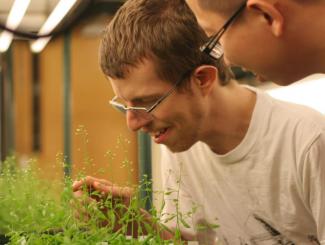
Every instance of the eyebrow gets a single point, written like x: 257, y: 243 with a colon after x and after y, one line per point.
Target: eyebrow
x: 143, y: 98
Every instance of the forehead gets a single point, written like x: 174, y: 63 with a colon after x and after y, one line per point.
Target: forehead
x: 140, y: 81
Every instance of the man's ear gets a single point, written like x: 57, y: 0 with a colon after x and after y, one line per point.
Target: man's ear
x: 271, y: 13
x: 205, y: 77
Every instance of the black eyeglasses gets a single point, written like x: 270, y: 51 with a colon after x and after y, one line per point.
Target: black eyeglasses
x: 213, y: 47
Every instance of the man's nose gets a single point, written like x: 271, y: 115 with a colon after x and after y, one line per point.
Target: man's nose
x: 137, y: 121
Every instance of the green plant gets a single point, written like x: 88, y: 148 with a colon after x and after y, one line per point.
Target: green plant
x: 37, y: 211
x: 30, y: 212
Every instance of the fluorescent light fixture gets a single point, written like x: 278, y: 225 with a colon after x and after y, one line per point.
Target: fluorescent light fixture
x: 61, y: 9
x: 15, y: 16
x: 5, y: 41
x: 309, y: 92
x: 38, y: 45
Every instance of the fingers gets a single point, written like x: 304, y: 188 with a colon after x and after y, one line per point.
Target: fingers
x: 103, y: 186
x: 105, y: 196
x: 114, y: 190
x: 89, y: 182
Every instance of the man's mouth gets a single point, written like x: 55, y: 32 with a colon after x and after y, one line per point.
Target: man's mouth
x: 159, y: 136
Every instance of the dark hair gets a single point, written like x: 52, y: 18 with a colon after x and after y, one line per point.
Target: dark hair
x: 165, y: 31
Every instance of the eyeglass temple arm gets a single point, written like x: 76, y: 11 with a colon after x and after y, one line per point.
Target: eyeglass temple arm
x: 169, y: 92
x: 215, y: 38
x: 159, y: 101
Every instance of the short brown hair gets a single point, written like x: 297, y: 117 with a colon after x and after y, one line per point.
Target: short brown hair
x: 165, y: 31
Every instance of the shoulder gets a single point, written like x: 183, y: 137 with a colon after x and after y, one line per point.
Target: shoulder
x: 296, y: 108
x: 294, y: 124
x: 298, y: 99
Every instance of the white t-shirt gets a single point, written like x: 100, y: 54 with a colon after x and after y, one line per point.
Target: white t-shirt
x: 270, y: 189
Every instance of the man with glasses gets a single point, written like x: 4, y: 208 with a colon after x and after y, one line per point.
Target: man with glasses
x: 232, y: 155
x: 279, y: 40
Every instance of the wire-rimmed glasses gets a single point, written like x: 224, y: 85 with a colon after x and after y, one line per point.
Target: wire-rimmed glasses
x: 145, y: 112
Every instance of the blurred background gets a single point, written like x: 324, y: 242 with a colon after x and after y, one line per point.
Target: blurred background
x: 54, y: 98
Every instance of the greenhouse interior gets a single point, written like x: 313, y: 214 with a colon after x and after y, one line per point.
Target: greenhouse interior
x: 74, y: 170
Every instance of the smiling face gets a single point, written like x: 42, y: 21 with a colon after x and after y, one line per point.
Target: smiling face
x: 176, y: 122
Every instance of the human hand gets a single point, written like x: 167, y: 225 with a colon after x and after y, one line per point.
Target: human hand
x: 101, y: 188
x: 112, y: 200
x: 118, y: 206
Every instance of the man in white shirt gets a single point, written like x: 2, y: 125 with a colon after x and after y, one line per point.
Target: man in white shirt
x: 250, y: 164
x: 279, y: 40
x: 266, y: 190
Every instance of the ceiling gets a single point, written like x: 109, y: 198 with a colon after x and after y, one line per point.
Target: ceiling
x: 39, y: 10
x: 35, y: 16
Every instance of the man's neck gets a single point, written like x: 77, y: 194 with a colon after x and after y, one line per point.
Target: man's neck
x: 230, y: 119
